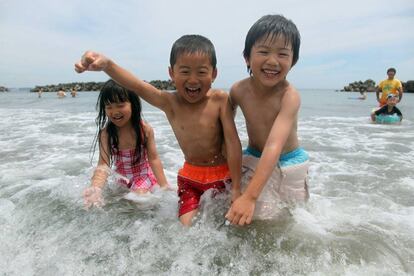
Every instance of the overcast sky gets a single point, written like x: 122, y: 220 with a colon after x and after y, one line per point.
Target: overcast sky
x: 342, y: 41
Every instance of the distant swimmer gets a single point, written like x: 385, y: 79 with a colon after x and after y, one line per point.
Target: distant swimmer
x: 363, y: 95
x: 73, y: 93
x: 61, y: 94
x: 39, y: 93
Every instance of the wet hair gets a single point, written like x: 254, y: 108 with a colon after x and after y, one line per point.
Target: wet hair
x: 273, y: 26
x: 392, y: 69
x: 192, y: 44
x: 110, y: 93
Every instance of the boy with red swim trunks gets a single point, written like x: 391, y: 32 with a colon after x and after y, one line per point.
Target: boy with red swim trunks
x: 201, y: 117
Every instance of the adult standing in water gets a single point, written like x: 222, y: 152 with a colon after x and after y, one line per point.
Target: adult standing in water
x: 391, y: 85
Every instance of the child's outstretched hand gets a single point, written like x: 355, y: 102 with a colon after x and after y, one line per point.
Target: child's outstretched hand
x: 91, y: 61
x: 241, y: 211
x: 92, y: 197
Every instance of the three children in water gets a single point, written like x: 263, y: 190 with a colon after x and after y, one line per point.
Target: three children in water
x: 273, y: 170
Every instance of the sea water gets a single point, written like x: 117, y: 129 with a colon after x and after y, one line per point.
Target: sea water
x: 359, y: 219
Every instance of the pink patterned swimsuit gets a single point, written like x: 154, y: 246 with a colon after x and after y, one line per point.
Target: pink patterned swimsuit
x: 140, y: 174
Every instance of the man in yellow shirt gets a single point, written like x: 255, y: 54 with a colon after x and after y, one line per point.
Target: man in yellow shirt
x: 389, y: 86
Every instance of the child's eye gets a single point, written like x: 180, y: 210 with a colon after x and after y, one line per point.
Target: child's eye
x: 284, y: 54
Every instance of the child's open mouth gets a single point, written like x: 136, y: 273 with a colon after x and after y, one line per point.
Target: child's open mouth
x: 192, y: 92
x: 117, y: 118
x: 270, y: 73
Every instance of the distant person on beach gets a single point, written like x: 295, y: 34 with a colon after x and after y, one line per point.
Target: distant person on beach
x: 388, y: 109
x: 391, y: 85
x: 275, y: 167
x: 73, y: 92
x: 201, y: 118
x: 61, y: 94
x: 363, y: 95
x: 39, y: 92
x: 128, y: 143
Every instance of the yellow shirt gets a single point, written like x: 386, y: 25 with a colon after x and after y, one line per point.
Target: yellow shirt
x: 389, y: 86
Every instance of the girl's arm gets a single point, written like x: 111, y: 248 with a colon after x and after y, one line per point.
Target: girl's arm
x: 92, y: 61
x: 102, y: 171
x: 153, y: 158
x: 93, y: 195
x: 241, y: 211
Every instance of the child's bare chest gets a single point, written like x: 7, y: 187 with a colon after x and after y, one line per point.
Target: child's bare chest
x: 197, y: 127
x: 126, y: 141
x: 197, y: 122
x: 259, y: 110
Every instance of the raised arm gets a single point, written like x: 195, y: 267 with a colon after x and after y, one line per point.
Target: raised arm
x: 92, y: 61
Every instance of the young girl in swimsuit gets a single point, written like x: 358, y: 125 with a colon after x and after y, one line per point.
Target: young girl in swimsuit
x: 125, y: 142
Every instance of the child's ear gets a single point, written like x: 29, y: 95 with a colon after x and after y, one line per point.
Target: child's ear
x: 247, y: 61
x: 214, y: 74
x: 171, y: 73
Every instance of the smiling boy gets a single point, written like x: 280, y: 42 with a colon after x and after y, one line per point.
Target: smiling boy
x: 275, y: 167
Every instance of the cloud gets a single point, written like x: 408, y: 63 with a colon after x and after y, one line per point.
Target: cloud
x: 40, y: 43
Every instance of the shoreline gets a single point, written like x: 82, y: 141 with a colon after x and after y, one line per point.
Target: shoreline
x: 93, y: 86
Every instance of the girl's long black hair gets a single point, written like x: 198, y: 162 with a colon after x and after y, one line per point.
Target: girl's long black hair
x: 110, y: 93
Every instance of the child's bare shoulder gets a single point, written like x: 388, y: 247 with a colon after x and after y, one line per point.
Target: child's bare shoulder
x: 291, y: 92
x: 239, y: 86
x: 103, y: 135
x: 145, y: 126
x: 238, y: 90
x: 218, y: 95
x: 291, y: 98
x: 104, y: 132
x: 148, y: 130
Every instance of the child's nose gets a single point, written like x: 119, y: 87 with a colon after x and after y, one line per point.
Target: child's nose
x: 273, y: 59
x: 192, y: 78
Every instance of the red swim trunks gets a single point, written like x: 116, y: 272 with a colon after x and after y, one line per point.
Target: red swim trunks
x: 193, y: 181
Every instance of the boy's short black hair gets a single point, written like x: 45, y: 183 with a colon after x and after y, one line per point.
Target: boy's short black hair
x: 392, y: 69
x: 190, y: 44
x: 272, y: 26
